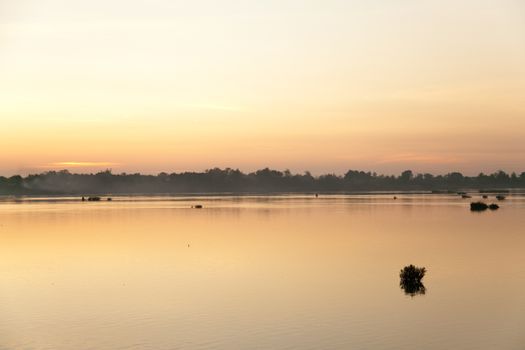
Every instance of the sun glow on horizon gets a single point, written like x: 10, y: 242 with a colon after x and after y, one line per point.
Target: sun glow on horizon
x: 77, y: 164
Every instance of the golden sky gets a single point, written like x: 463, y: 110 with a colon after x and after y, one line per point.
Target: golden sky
x: 325, y: 86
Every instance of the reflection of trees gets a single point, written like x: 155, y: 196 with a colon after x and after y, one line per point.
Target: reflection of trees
x: 413, y: 288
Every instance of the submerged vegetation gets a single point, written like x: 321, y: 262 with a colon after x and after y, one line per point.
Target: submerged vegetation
x: 411, y: 280
x: 265, y: 180
x: 478, y: 206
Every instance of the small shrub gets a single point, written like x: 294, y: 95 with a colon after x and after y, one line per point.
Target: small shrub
x: 478, y: 206
x: 411, y: 277
x: 412, y: 273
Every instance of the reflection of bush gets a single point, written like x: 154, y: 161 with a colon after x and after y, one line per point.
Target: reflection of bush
x: 411, y: 277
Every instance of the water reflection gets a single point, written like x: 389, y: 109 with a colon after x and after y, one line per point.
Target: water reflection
x: 413, y: 288
x: 259, y: 272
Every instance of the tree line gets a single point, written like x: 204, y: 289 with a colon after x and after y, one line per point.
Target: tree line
x: 261, y: 181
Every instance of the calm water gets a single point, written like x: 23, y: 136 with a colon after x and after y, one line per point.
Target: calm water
x: 290, y: 272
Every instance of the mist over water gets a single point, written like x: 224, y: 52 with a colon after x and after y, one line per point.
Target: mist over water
x: 269, y: 272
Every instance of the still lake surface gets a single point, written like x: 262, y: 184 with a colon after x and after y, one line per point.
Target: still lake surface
x: 267, y: 272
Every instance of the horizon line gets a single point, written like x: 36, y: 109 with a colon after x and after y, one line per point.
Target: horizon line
x: 284, y: 171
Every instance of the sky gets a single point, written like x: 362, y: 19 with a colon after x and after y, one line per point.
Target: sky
x: 325, y: 86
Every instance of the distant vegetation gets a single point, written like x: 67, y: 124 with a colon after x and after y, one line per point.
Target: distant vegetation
x: 261, y: 181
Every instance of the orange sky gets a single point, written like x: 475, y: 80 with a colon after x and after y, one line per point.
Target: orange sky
x: 434, y: 86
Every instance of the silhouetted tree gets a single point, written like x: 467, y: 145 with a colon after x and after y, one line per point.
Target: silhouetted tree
x: 266, y: 180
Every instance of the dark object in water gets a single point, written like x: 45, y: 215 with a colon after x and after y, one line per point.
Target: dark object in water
x: 410, y: 280
x: 485, y: 196
x: 110, y: 199
x: 316, y: 195
x: 465, y: 196
x: 83, y: 199
x: 198, y: 206
x: 94, y: 199
x: 493, y: 206
x: 478, y: 206
x: 500, y: 197
x: 395, y: 197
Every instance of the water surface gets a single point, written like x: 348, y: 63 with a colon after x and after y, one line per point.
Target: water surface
x: 284, y: 272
